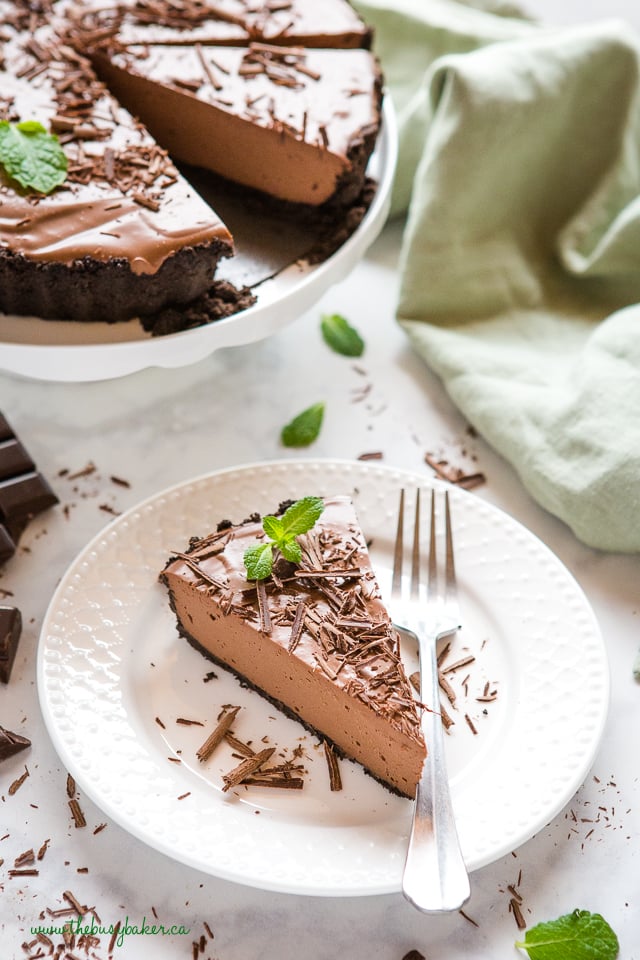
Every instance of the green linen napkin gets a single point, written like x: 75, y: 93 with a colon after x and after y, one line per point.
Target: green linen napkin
x: 520, y: 268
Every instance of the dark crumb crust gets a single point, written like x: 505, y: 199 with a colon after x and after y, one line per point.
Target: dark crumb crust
x: 221, y: 300
x: 108, y: 291
x: 286, y: 710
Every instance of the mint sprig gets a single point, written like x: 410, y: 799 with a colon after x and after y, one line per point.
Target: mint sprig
x: 303, y: 429
x: 282, y: 532
x: 575, y: 936
x: 32, y: 156
x: 341, y: 336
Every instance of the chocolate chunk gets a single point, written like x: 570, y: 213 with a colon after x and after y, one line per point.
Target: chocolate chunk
x: 5, y: 430
x: 14, y: 459
x: 24, y: 496
x: 10, y: 630
x: 7, y: 545
x: 11, y: 743
x: 24, y: 492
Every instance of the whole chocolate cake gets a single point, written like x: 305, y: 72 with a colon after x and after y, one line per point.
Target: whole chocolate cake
x: 249, y: 91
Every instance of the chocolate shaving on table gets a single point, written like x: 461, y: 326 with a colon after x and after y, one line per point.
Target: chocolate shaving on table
x: 514, y: 907
x: 25, y: 859
x: 11, y: 743
x: 246, y: 768
x: 335, y: 780
x: 77, y: 814
x: 43, y: 849
x: 71, y: 786
x: 455, y: 475
x: 218, y: 735
x: 15, y: 786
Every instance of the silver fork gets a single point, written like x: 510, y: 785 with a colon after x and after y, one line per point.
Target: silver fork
x: 435, y: 878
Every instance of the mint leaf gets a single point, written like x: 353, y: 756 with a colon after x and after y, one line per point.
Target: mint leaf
x: 301, y: 515
x: 341, y: 336
x: 304, y: 428
x: 258, y: 561
x: 575, y: 936
x: 298, y: 518
x: 273, y: 528
x: 290, y: 550
x: 32, y: 156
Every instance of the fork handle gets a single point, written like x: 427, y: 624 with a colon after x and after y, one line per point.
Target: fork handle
x: 435, y: 878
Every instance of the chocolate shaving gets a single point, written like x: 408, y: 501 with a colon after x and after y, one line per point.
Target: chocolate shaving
x: 470, y: 724
x: 335, y: 780
x: 24, y: 859
x: 241, y: 748
x: 215, y: 83
x: 246, y: 768
x: 263, y: 607
x: 297, y: 625
x: 69, y: 897
x: 218, y: 735
x: 514, y: 907
x: 77, y: 814
x: 15, y: 786
x: 458, y: 663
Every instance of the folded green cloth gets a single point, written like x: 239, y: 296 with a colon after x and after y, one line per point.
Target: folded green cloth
x: 520, y: 268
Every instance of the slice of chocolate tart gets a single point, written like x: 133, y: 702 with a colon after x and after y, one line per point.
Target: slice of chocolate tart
x: 313, y: 637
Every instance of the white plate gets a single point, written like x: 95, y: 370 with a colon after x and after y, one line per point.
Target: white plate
x: 66, y: 351
x: 110, y: 662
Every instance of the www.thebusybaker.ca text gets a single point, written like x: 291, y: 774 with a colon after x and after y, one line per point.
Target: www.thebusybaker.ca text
x: 81, y: 926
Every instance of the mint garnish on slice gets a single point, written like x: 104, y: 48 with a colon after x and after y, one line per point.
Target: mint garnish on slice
x: 341, y: 336
x: 575, y: 936
x: 32, y: 156
x: 282, y: 532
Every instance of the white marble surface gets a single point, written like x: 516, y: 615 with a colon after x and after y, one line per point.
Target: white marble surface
x: 157, y: 428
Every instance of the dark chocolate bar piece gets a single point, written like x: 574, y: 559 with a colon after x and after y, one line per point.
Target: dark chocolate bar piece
x: 5, y: 430
x: 11, y: 743
x: 23, y: 497
x: 10, y: 630
x: 7, y: 545
x: 14, y: 459
x: 24, y: 492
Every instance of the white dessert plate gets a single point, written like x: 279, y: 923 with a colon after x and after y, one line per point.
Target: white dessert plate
x: 285, y: 288
x: 115, y: 679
